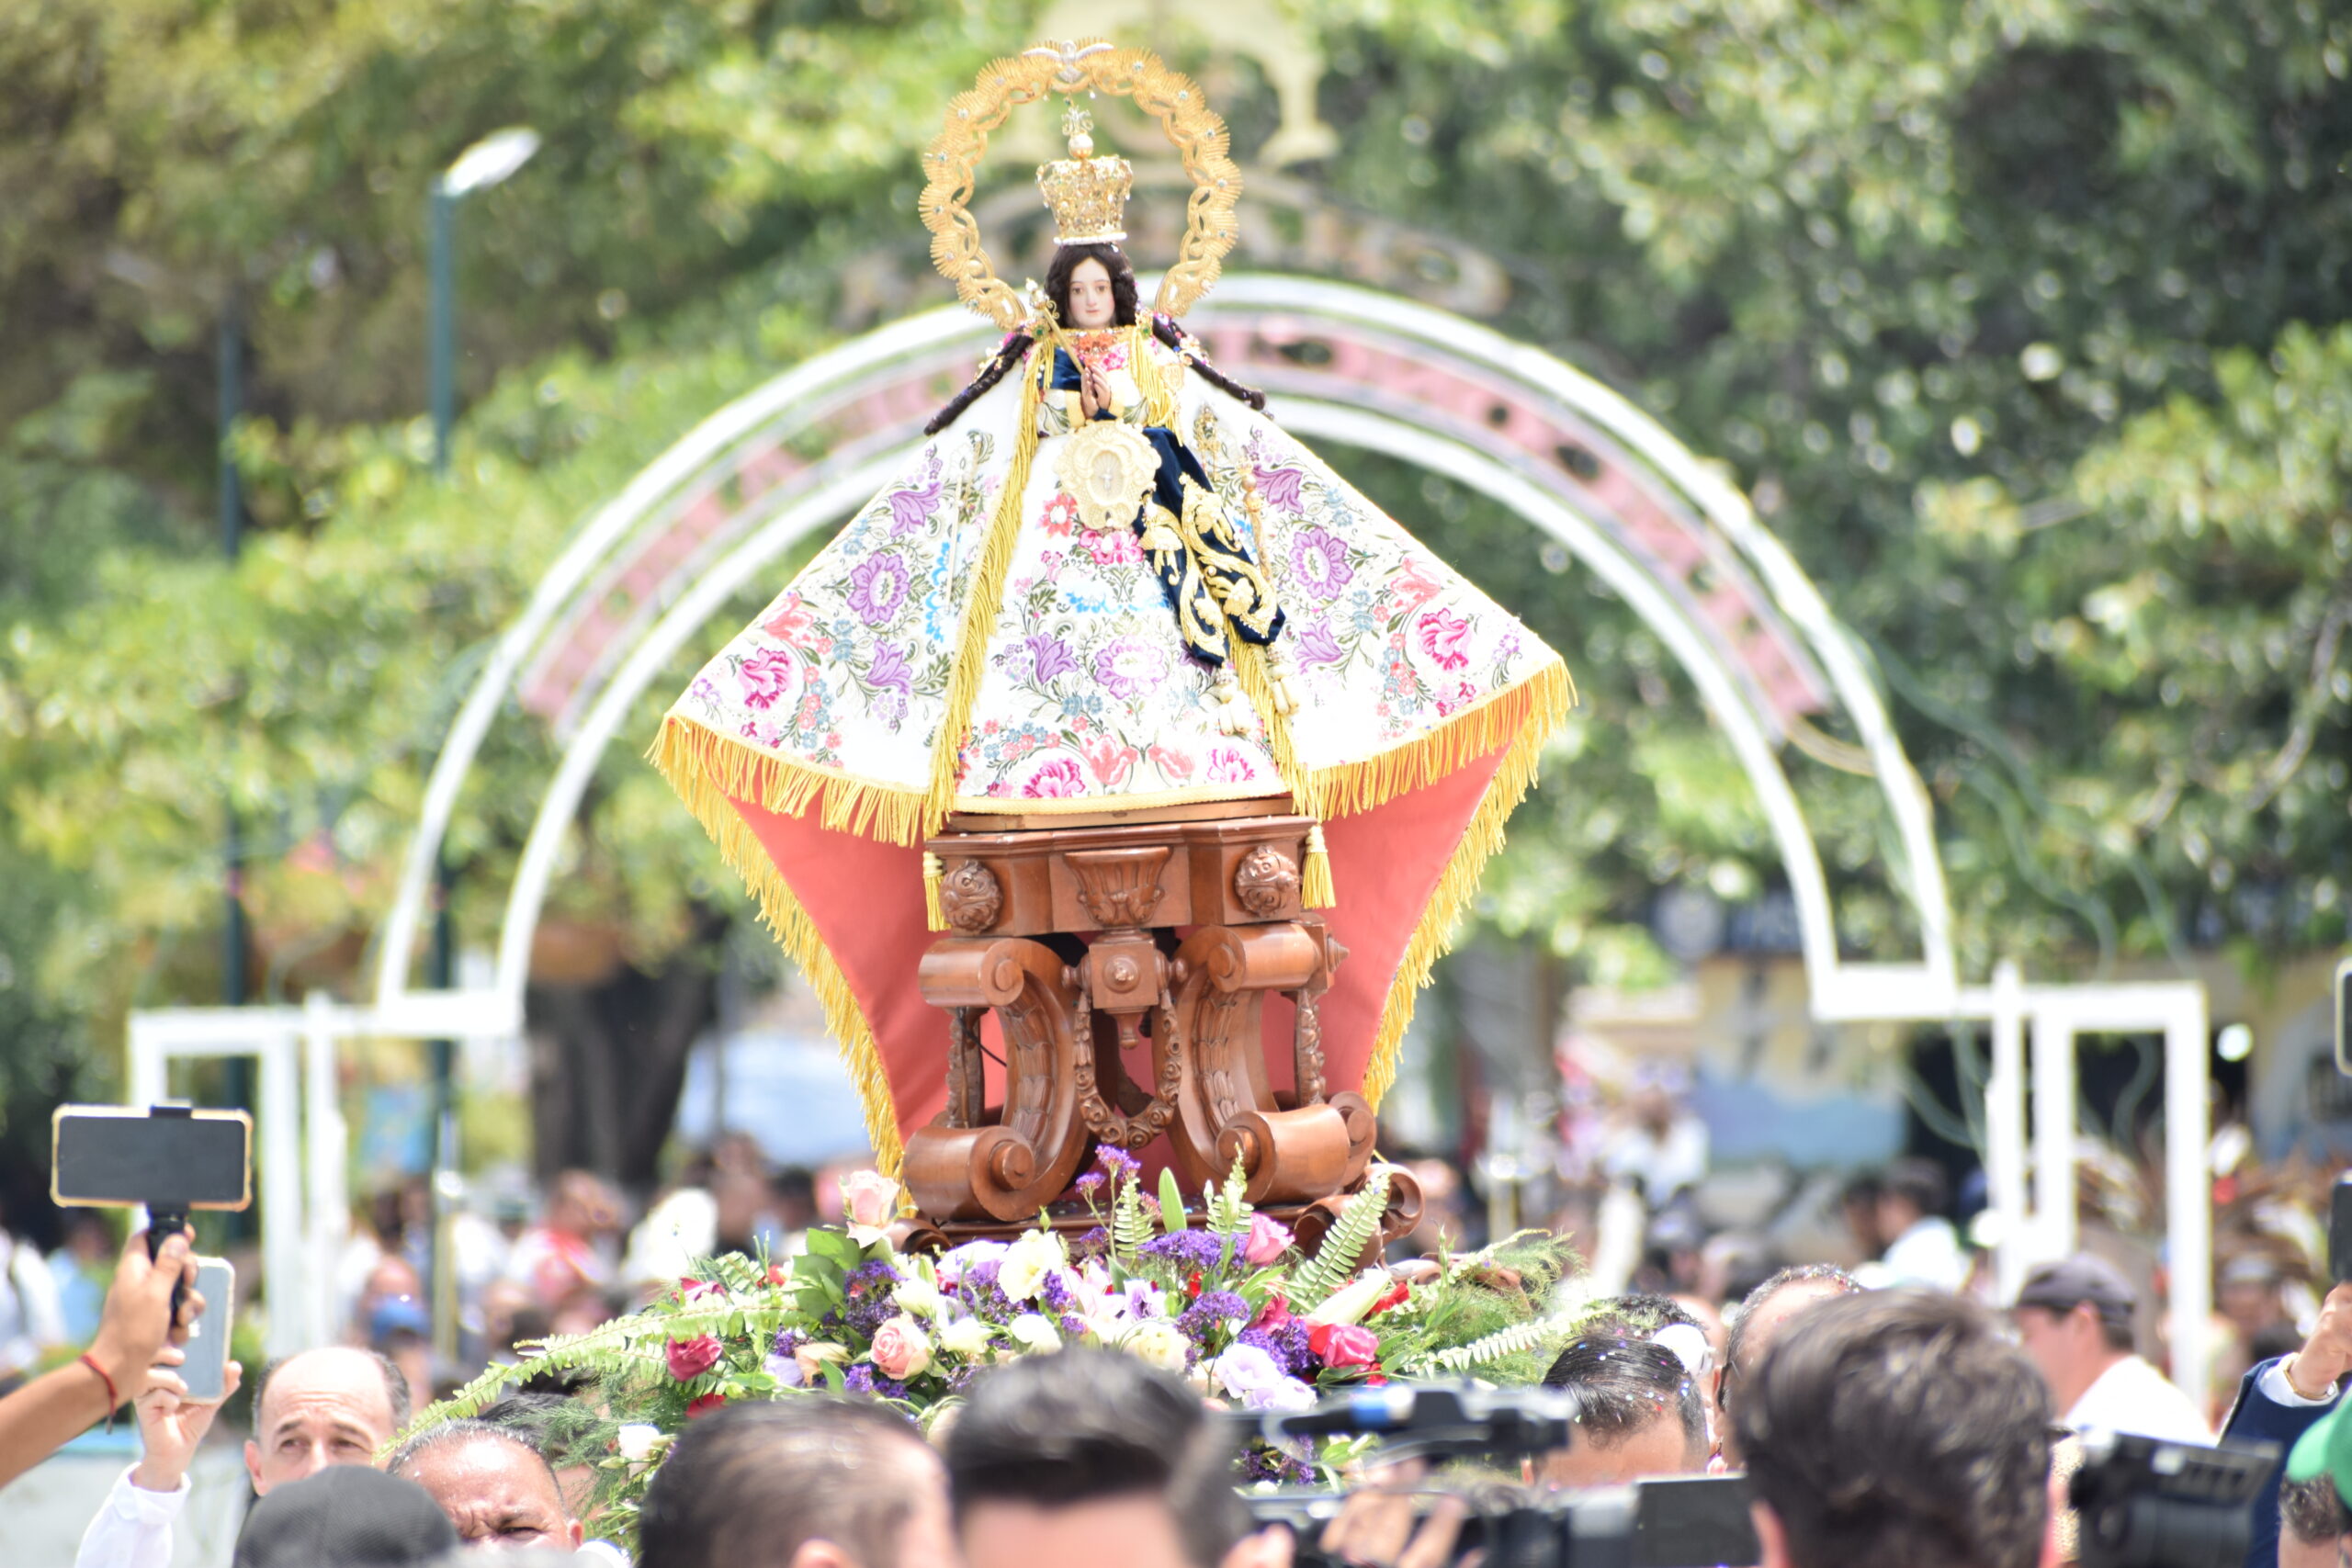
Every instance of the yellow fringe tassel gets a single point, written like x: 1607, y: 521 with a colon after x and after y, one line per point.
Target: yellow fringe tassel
x: 1256, y: 677
x: 1522, y: 719
x: 986, y: 597
x: 1315, y: 883
x: 708, y: 768
x: 795, y: 931
x: 932, y: 869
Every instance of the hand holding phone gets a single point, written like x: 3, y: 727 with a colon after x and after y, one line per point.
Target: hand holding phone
x: 205, y: 1359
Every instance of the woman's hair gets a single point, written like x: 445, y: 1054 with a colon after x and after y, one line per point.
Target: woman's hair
x: 1123, y: 313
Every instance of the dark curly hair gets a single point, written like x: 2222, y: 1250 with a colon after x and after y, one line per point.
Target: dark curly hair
x: 1123, y: 313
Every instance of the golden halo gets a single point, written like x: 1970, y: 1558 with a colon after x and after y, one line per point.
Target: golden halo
x: 1086, y: 65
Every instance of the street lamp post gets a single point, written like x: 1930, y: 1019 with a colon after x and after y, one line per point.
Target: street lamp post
x: 485, y: 163
x: 478, y: 167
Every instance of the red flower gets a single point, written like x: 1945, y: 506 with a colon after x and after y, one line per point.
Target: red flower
x: 689, y: 1358
x: 688, y: 1289
x: 704, y: 1404
x: 779, y: 1275
x: 1274, y: 1314
x: 1193, y: 1285
x: 1394, y: 1297
x: 1377, y: 1380
x: 1341, y: 1345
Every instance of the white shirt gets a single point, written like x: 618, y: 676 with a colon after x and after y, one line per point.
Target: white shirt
x: 133, y: 1529
x: 1663, y: 1164
x: 1928, y: 1254
x: 2132, y: 1397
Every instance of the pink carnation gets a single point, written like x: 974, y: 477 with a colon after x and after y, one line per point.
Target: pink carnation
x: 689, y: 1358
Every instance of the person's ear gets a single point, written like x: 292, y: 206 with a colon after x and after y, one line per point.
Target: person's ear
x: 1771, y: 1537
x: 818, y: 1554
x: 1270, y: 1548
x: 579, y: 1533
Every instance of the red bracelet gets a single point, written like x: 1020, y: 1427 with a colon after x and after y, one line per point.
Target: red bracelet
x: 114, y: 1399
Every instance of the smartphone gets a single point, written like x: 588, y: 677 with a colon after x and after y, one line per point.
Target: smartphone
x: 2339, y: 1230
x: 171, y: 1157
x: 206, y: 1371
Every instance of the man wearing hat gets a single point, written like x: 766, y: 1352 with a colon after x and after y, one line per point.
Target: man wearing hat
x: 2073, y: 1318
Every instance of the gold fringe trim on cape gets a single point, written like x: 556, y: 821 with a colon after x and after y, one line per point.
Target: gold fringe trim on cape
x: 708, y: 770
x: 1522, y: 719
x: 795, y: 931
x: 986, y: 599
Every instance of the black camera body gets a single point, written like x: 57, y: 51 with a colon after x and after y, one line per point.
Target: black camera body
x: 2145, y: 1504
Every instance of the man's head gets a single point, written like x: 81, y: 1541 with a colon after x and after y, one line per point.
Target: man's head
x: 818, y: 1481
x: 2074, y: 1317
x: 344, y: 1514
x: 1639, y: 1413
x: 1088, y: 1457
x: 317, y: 1408
x: 583, y: 1206
x: 495, y: 1487
x: 1758, y: 1321
x: 2312, y: 1522
x: 1912, y: 1190
x: 1897, y: 1427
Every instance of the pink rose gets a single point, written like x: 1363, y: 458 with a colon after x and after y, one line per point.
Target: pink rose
x: 689, y: 1358
x: 1344, y: 1345
x: 1442, y: 638
x: 1267, y: 1240
x: 900, y: 1351
x: 870, y: 1198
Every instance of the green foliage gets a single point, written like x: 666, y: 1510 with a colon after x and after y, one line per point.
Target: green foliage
x: 1334, y: 1263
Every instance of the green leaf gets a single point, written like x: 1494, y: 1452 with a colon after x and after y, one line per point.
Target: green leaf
x: 1172, y: 1203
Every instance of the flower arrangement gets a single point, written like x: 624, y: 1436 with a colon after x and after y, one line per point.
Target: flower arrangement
x: 1231, y: 1306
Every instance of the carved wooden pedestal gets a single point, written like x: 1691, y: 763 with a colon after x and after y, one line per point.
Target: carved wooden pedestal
x: 1071, y: 935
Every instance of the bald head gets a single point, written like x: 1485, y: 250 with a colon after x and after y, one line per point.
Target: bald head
x: 322, y: 1407
x: 1769, y: 1309
x: 496, y: 1488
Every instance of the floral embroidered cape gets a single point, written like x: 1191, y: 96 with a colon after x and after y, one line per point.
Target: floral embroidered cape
x: 810, y: 742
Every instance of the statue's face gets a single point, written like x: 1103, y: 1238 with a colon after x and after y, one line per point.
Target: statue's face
x: 1091, y: 304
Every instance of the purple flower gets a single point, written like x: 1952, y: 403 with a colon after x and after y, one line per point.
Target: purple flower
x: 908, y: 507
x: 1075, y: 1328
x: 787, y: 1341
x: 1247, y: 1373
x: 1211, y: 1314
x: 1314, y: 644
x: 1321, y: 562
x: 863, y: 1379
x: 878, y: 586
x: 1280, y: 486
x: 1090, y: 1182
x: 1095, y: 1242
x: 1128, y: 666
x: 888, y: 667
x: 1188, y: 1249
x: 1259, y: 1462
x: 1052, y: 656
x: 1117, y: 1162
x: 1055, y: 1291
x: 1287, y: 1345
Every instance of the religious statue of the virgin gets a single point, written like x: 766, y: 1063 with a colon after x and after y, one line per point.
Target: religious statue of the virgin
x: 1107, y: 585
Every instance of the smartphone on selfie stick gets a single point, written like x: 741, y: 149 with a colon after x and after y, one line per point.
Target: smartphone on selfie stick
x: 172, y: 1160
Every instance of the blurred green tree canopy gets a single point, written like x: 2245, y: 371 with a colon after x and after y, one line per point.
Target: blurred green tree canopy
x: 2022, y: 320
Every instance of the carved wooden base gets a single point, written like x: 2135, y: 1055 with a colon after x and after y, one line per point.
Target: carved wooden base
x: 1308, y: 1222
x: 1114, y: 977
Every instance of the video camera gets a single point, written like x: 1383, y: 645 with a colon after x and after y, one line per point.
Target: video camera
x: 2143, y: 1503
x: 1699, y: 1521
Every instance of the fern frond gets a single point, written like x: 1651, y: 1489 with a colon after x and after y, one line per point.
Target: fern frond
x: 1229, y: 1211
x: 1334, y: 1263
x: 1130, y: 1227
x: 1516, y: 1340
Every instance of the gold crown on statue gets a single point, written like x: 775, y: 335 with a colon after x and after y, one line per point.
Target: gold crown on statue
x: 1088, y: 195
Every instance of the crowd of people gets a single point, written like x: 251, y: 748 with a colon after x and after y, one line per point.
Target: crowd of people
x: 1887, y: 1409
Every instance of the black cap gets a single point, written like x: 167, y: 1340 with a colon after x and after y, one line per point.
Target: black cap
x: 346, y: 1516
x: 2062, y: 1286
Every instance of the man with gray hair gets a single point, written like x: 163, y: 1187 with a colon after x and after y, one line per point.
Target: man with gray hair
x: 311, y: 1410
x: 494, y: 1485
x: 1757, y: 1323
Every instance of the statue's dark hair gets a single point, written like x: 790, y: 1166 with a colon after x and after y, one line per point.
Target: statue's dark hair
x: 1123, y: 313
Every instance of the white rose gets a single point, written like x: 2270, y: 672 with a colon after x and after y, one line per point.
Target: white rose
x: 1350, y: 1304
x: 637, y: 1441
x: 1158, y: 1343
x: 964, y: 1337
x: 1033, y: 1331
x: 919, y: 1296
x: 1027, y: 1262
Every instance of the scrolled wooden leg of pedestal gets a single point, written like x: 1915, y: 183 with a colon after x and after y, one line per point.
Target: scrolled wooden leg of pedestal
x: 1225, y: 1109
x: 1009, y: 1169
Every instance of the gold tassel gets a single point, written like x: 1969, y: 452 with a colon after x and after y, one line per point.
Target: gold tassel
x: 932, y: 868
x: 676, y: 755
x: 980, y: 609
x: 1315, y: 885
